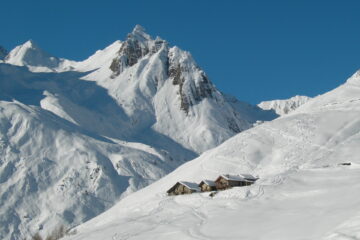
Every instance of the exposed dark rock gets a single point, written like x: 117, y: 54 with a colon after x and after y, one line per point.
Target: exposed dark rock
x: 137, y: 45
x: 345, y: 164
x: 157, y: 45
x: 134, y: 48
x: 205, y: 89
x: 197, y: 93
x: 115, y: 66
x: 233, y: 125
x: 129, y: 54
x: 175, y: 74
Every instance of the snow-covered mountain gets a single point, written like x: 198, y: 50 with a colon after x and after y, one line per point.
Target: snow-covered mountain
x: 284, y: 106
x: 31, y: 55
x: 304, y: 191
x: 78, y: 136
x: 3, y: 53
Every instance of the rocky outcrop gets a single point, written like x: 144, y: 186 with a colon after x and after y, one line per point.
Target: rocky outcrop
x: 193, y: 88
x: 137, y: 45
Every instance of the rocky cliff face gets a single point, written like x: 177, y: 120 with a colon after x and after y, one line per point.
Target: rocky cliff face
x: 137, y: 45
x: 191, y: 91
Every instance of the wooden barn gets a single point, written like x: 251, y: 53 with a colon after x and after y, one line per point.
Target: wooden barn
x: 227, y: 181
x: 207, y: 186
x: 183, y: 188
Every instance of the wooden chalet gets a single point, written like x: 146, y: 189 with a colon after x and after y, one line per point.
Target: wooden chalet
x: 227, y: 181
x: 207, y: 186
x: 183, y: 188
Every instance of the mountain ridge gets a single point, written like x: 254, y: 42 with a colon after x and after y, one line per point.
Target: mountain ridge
x: 284, y: 106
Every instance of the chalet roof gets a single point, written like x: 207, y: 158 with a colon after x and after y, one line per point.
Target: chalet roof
x: 240, y: 177
x: 248, y: 176
x: 233, y: 177
x: 190, y: 185
x: 208, y: 182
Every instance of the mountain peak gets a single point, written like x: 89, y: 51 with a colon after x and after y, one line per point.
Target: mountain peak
x: 30, y: 44
x: 29, y: 54
x: 137, y: 45
x: 138, y: 28
x: 139, y: 34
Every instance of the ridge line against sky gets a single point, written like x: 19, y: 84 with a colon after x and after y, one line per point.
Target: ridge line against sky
x: 254, y: 50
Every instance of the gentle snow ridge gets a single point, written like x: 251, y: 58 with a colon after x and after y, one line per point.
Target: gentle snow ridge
x: 285, y: 106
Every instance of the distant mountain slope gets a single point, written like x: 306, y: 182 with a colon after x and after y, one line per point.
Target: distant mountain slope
x: 31, y: 55
x: 304, y: 191
x: 3, y: 53
x: 78, y: 136
x: 285, y: 106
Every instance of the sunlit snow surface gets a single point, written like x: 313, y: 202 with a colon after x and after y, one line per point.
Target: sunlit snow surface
x: 302, y: 193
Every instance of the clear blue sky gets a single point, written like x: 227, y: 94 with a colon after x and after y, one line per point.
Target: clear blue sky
x: 254, y: 50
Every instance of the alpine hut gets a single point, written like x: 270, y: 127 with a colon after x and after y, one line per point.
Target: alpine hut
x: 207, y: 186
x: 226, y: 181
x: 183, y: 188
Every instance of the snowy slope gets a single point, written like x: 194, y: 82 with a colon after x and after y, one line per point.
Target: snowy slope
x: 52, y: 172
x: 100, y: 58
x: 78, y: 136
x: 285, y: 106
x: 302, y: 193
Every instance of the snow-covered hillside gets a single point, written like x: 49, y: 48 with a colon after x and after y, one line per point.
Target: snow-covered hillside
x: 303, y: 192
x: 53, y: 172
x: 285, y: 106
x: 78, y: 136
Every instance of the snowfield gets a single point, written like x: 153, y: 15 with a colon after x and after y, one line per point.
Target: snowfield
x: 303, y: 192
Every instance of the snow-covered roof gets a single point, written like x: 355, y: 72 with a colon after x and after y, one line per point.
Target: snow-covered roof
x: 209, y: 182
x: 233, y: 177
x: 190, y: 185
x: 240, y: 177
x: 248, y: 176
